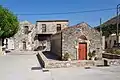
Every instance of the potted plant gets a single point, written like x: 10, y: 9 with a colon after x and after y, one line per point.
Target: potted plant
x: 67, y: 57
x: 92, y: 55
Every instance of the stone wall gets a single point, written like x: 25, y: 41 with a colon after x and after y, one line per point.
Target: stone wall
x: 114, y: 62
x: 110, y: 56
x: 47, y: 63
x: 51, y: 27
x: 66, y: 64
x: 21, y: 37
x: 71, y: 37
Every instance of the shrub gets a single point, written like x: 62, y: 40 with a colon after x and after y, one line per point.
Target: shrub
x: 117, y: 52
x: 93, y: 53
x: 90, y: 55
x: 113, y: 51
x: 66, y: 56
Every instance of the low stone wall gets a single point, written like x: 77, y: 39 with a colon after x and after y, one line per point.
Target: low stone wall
x: 42, y: 59
x: 41, y: 62
x: 113, y: 62
x: 110, y: 56
x: 77, y: 63
x: 65, y: 64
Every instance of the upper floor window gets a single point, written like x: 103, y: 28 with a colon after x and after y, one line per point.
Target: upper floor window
x: 43, y: 27
x: 26, y: 29
x: 58, y: 27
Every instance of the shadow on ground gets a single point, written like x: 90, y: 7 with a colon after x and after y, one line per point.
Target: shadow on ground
x: 50, y: 55
x: 36, y: 68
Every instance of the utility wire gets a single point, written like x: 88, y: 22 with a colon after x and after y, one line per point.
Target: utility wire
x: 87, y: 11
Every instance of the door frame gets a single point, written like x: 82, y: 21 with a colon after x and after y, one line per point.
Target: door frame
x: 85, y: 47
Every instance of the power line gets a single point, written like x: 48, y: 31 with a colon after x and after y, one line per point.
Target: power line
x: 97, y: 10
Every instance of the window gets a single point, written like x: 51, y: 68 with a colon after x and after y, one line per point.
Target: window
x: 58, y: 27
x: 26, y: 29
x: 114, y: 42
x: 110, y: 42
x: 24, y: 45
x: 43, y: 27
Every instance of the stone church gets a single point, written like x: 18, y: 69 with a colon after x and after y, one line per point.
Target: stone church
x: 77, y: 41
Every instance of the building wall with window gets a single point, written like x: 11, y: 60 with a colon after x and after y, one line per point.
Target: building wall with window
x: 44, y: 31
x: 24, y: 38
x: 111, y: 41
x: 68, y: 40
x: 51, y: 26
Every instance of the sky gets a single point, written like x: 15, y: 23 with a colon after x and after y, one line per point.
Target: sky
x: 62, y: 6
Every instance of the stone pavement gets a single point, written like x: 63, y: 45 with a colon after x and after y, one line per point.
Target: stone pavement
x: 26, y: 67
x: 19, y: 67
x: 103, y: 73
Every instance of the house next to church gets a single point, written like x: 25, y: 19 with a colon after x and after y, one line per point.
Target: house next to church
x: 46, y: 28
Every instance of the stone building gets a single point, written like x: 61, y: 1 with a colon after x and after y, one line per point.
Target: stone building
x: 35, y: 37
x: 44, y: 29
x: 9, y: 43
x: 111, y: 41
x: 77, y: 41
x: 24, y: 38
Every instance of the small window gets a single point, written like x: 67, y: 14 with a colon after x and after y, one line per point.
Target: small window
x: 114, y: 42
x: 58, y: 27
x: 26, y: 29
x: 43, y: 27
x: 110, y: 42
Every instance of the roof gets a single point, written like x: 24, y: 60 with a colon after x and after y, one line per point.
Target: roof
x: 112, y: 21
x: 76, y: 26
x: 53, y: 21
x: 25, y: 22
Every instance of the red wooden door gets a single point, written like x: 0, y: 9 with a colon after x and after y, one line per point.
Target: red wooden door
x: 82, y: 51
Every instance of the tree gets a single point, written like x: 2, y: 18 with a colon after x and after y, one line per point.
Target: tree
x: 108, y: 29
x: 9, y: 24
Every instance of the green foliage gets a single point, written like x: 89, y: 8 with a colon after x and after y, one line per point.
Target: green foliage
x: 92, y: 54
x: 118, y: 52
x: 108, y: 29
x: 66, y: 56
x: 113, y: 51
x: 9, y: 24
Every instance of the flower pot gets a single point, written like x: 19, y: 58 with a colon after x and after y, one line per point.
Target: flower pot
x: 69, y: 59
x: 93, y: 58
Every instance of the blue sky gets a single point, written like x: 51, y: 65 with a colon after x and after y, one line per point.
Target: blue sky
x: 56, y: 6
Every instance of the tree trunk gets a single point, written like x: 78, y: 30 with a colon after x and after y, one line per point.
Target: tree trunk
x: 1, y: 52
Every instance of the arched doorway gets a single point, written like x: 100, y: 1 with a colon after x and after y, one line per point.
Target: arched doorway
x: 24, y: 45
x: 82, y: 48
